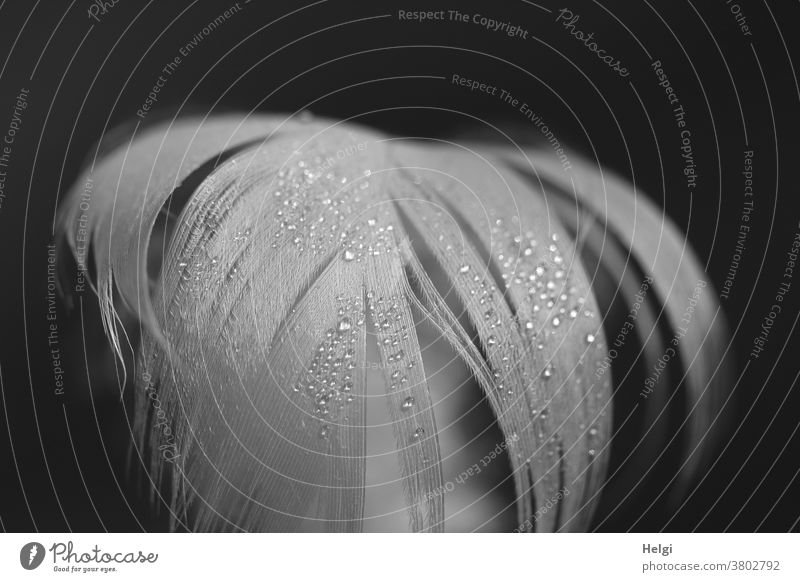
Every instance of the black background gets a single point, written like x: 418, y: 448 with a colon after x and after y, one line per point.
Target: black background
x: 60, y: 461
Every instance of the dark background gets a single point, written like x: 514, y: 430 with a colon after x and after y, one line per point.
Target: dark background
x: 60, y: 456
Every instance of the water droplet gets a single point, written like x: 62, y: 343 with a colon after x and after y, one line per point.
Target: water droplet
x: 345, y: 324
x: 348, y: 255
x: 547, y: 372
x: 491, y: 341
x: 408, y: 403
x: 589, y: 338
x: 418, y: 433
x: 556, y: 322
x: 464, y: 269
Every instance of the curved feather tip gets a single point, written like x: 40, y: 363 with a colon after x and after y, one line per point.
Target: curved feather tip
x: 297, y: 256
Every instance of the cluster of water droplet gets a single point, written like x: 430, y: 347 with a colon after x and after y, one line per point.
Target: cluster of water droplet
x: 327, y: 385
x: 540, y: 273
x: 315, y: 201
x: 367, y: 238
x: 544, y: 278
x: 391, y: 333
x: 201, y: 270
x: 196, y: 272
